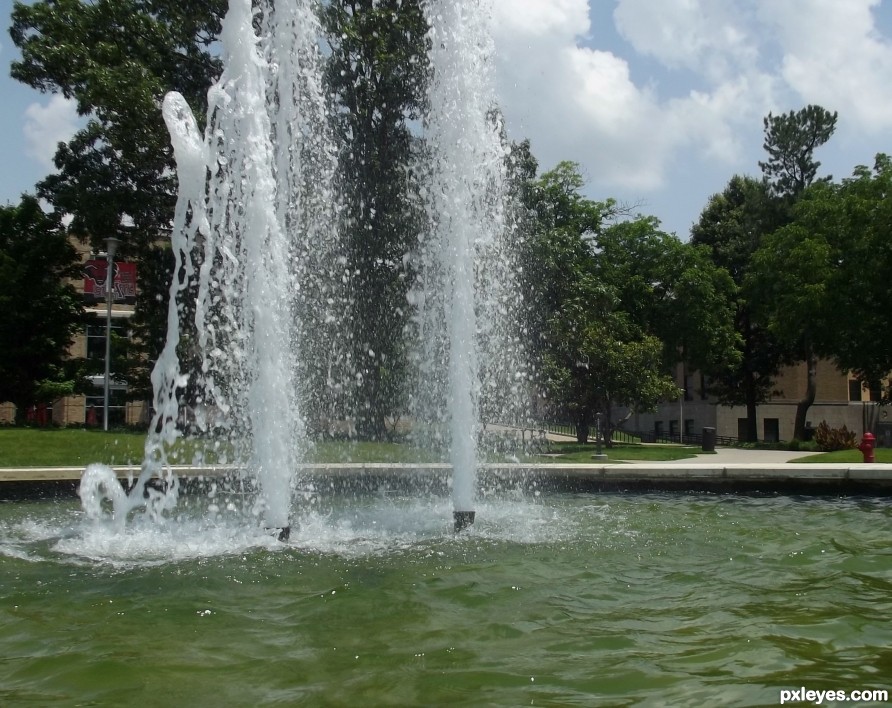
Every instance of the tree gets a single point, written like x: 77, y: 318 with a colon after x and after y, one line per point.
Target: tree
x: 39, y: 311
x: 591, y: 353
x: 824, y: 277
x: 788, y: 282
x: 790, y: 141
x: 860, y: 297
x: 672, y: 291
x: 377, y: 73
x: 117, y: 59
x: 732, y: 226
x: 559, y: 253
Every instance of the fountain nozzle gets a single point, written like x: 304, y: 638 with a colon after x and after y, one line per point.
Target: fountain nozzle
x: 282, y: 533
x: 462, y: 519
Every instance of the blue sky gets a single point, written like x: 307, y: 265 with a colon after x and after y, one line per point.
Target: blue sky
x: 661, y: 102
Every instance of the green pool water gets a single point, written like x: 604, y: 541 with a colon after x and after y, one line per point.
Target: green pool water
x: 561, y: 600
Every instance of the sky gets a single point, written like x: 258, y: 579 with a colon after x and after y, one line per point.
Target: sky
x: 660, y: 101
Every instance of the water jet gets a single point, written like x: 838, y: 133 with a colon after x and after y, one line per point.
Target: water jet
x: 256, y: 234
x: 282, y: 534
x: 462, y: 520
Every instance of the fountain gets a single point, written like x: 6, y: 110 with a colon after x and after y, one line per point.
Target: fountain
x: 257, y: 247
x: 557, y: 597
x: 467, y: 217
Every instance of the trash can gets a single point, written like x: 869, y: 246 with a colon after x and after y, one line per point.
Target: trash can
x: 708, y: 443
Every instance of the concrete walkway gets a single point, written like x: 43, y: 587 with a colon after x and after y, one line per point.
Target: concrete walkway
x: 733, y: 456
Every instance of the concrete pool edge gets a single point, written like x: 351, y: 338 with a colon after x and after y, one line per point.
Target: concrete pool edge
x: 28, y: 482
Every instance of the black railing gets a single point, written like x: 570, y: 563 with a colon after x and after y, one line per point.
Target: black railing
x: 652, y: 436
x: 559, y: 429
x: 621, y: 435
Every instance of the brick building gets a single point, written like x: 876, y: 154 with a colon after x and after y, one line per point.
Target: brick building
x: 90, y: 344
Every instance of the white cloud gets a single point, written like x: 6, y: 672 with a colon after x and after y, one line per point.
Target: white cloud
x: 543, y: 17
x: 712, y: 38
x: 834, y: 55
x: 580, y: 103
x: 47, y: 125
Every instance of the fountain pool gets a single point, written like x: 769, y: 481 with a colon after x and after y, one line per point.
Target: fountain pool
x: 550, y: 599
x: 563, y: 599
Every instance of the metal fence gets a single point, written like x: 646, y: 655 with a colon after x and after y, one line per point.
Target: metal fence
x: 621, y: 435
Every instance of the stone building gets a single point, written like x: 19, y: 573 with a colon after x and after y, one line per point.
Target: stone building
x: 840, y: 400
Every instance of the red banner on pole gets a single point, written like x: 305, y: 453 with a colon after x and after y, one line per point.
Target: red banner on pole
x: 123, y: 286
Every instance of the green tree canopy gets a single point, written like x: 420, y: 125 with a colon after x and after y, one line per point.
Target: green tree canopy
x: 39, y: 310
x: 824, y: 277
x: 673, y: 291
x: 377, y: 72
x: 591, y: 353
x: 860, y: 297
x: 790, y: 141
x: 732, y: 226
x: 117, y: 59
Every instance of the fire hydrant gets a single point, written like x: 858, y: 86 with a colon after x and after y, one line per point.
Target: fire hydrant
x: 868, y: 443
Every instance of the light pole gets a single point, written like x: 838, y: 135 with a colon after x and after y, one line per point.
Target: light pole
x: 598, y: 434
x: 681, y: 416
x: 111, y: 246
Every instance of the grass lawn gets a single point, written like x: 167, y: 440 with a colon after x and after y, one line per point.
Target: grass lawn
x: 883, y: 455
x: 574, y: 452
x: 364, y: 451
x: 76, y: 447
x: 68, y: 447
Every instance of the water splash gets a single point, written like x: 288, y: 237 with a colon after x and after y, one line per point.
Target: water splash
x: 258, y: 294
x: 252, y: 205
x: 465, y: 205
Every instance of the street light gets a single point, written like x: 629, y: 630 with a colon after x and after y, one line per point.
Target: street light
x: 111, y: 247
x: 598, y: 434
x: 681, y: 416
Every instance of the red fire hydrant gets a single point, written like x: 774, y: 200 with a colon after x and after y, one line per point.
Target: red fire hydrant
x: 868, y: 443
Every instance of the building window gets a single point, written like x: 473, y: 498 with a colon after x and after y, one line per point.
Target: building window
x: 94, y: 407
x: 854, y: 390
x: 96, y: 337
x: 741, y: 429
x: 876, y: 394
x: 771, y: 430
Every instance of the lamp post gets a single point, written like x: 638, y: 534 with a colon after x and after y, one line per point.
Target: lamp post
x: 111, y: 248
x: 598, y: 434
x: 681, y: 416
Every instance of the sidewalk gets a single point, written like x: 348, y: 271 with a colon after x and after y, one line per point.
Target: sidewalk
x: 734, y: 456
x: 721, y: 456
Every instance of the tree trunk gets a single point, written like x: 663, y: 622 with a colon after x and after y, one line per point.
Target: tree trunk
x: 583, y: 425
x: 21, y: 410
x: 811, y: 390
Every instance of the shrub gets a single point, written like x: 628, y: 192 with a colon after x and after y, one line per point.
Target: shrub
x: 829, y: 439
